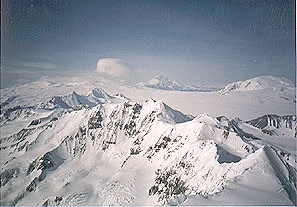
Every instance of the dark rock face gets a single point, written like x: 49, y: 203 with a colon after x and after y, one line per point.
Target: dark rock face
x: 267, y: 122
x: 95, y: 121
x: 167, y: 184
x: 273, y: 120
x: 7, y: 175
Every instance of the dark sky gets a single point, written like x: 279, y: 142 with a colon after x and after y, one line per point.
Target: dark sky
x: 200, y: 42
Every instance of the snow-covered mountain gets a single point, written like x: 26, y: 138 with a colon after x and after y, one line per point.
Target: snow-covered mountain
x: 165, y: 83
x: 98, y: 149
x: 277, y: 84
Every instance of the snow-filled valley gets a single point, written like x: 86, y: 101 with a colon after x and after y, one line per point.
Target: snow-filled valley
x: 77, y: 141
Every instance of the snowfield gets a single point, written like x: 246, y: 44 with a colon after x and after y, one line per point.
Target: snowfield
x: 68, y: 141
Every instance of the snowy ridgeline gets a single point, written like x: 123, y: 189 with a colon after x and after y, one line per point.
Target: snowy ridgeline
x: 98, y: 149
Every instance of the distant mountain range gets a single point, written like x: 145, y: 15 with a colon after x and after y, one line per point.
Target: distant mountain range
x: 258, y: 83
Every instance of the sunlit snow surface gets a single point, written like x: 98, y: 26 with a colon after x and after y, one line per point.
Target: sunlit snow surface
x: 90, y: 141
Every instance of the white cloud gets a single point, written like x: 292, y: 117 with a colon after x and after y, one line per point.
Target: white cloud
x: 115, y: 68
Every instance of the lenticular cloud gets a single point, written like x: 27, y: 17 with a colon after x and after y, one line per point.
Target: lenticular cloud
x: 111, y: 67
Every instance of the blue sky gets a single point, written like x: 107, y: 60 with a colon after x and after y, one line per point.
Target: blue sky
x: 200, y: 42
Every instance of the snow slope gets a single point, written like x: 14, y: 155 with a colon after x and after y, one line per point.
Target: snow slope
x: 91, y: 148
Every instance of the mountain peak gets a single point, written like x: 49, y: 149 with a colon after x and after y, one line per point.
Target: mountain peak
x: 98, y: 93
x: 163, y: 82
x: 165, y: 112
